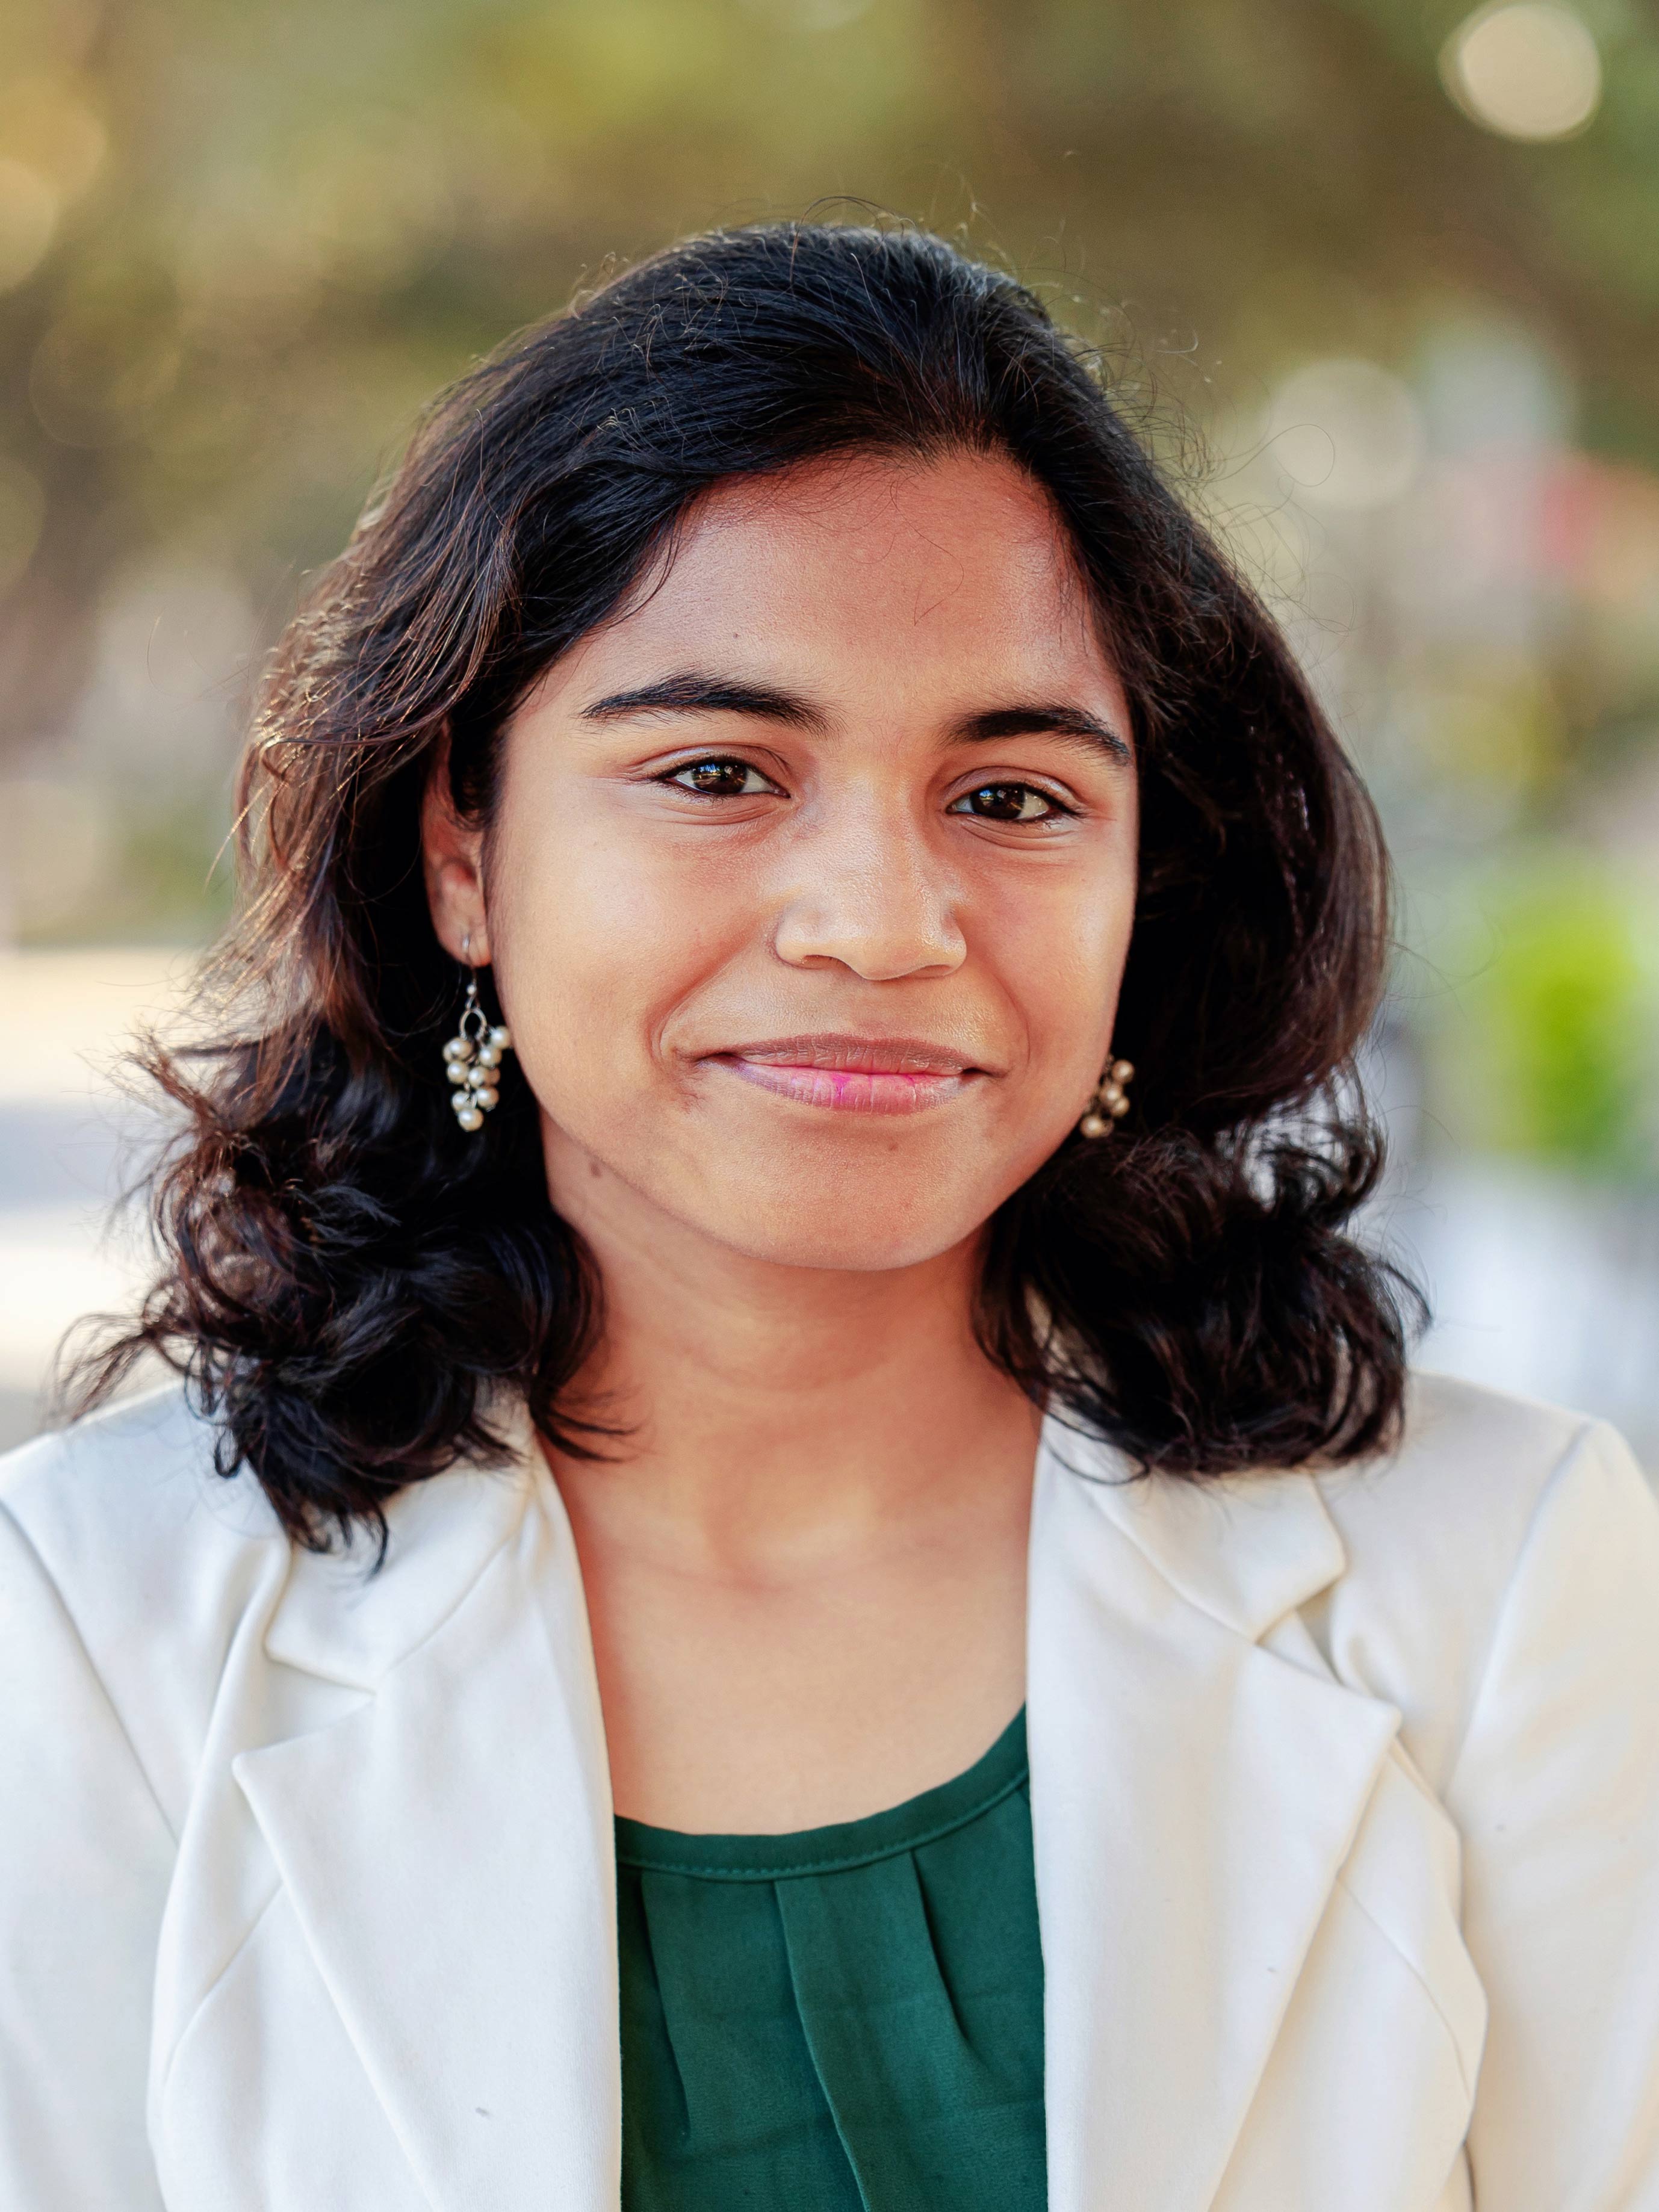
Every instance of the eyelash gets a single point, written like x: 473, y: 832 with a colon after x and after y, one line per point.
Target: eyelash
x: 716, y: 761
x: 1058, y: 809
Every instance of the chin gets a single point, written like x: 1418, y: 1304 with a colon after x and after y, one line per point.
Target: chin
x: 868, y: 1201
x: 872, y: 1227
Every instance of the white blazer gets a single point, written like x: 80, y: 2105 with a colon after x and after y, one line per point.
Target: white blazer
x: 1345, y: 1794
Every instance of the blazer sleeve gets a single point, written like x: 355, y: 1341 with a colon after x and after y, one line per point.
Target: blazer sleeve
x: 86, y: 1858
x: 1556, y: 1791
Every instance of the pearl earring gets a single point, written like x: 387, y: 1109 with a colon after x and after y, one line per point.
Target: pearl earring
x: 1111, y: 1101
x: 473, y: 1056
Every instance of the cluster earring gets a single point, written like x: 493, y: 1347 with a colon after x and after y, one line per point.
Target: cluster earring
x: 473, y: 1057
x: 1111, y: 1100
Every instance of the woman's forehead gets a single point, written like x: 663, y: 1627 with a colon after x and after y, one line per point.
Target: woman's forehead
x: 956, y: 512
x: 870, y: 557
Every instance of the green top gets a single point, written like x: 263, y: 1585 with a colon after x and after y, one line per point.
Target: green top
x: 840, y: 2019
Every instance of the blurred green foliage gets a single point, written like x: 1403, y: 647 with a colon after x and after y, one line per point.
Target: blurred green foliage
x: 1546, y: 1043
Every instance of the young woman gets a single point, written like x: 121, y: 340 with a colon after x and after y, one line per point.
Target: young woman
x: 795, y: 1566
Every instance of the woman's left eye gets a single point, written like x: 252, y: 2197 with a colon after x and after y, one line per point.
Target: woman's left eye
x: 720, y: 779
x: 1008, y: 802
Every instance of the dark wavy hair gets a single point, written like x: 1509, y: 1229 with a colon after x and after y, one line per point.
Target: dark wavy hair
x: 349, y: 1282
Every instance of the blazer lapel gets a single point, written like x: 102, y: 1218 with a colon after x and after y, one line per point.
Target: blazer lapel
x: 446, y: 1848
x: 1193, y: 1798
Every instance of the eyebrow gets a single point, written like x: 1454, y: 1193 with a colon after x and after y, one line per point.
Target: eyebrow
x: 695, y: 693
x: 1044, y: 718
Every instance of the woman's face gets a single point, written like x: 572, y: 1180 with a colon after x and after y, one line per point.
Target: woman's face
x: 811, y: 878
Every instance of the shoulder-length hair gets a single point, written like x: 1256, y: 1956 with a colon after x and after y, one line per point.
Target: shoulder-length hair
x: 349, y: 1282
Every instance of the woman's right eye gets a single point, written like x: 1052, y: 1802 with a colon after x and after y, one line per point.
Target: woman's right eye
x: 720, y: 779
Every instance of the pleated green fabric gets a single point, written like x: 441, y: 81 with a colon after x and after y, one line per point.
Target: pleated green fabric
x: 846, y: 2019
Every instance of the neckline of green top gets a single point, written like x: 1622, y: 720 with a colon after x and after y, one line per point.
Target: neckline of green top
x: 845, y: 1844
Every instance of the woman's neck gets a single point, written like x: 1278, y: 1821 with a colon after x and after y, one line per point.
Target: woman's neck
x: 804, y: 1566
x: 767, y: 1410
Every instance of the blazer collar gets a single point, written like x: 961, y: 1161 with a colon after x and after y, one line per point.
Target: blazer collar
x: 1245, y: 1550
x: 446, y: 1844
x: 349, y: 1620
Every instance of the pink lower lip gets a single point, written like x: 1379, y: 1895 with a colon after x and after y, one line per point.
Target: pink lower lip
x: 849, y: 1090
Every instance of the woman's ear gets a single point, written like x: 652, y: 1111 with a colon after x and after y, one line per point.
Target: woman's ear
x: 452, y: 858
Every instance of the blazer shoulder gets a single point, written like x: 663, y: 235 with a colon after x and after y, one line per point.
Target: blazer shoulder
x: 153, y: 1557
x: 135, y: 1488
x: 1462, y: 1481
x: 1434, y: 1531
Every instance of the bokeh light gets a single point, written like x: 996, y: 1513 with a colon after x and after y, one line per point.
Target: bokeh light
x: 47, y: 124
x: 1347, y: 433
x: 1526, y: 69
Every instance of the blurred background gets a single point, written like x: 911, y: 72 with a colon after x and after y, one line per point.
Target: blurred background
x: 1380, y: 277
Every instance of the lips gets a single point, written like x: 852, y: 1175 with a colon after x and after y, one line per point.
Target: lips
x: 854, y: 1074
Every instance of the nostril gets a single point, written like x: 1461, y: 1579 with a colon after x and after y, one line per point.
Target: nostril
x: 880, y: 930
x: 874, y: 958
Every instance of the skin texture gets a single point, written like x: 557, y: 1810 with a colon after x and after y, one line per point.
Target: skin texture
x: 795, y: 1036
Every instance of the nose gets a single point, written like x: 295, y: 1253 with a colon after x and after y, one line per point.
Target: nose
x: 868, y: 894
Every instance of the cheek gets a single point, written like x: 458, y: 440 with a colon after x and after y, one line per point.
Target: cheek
x: 598, y: 936
x: 1060, y: 951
